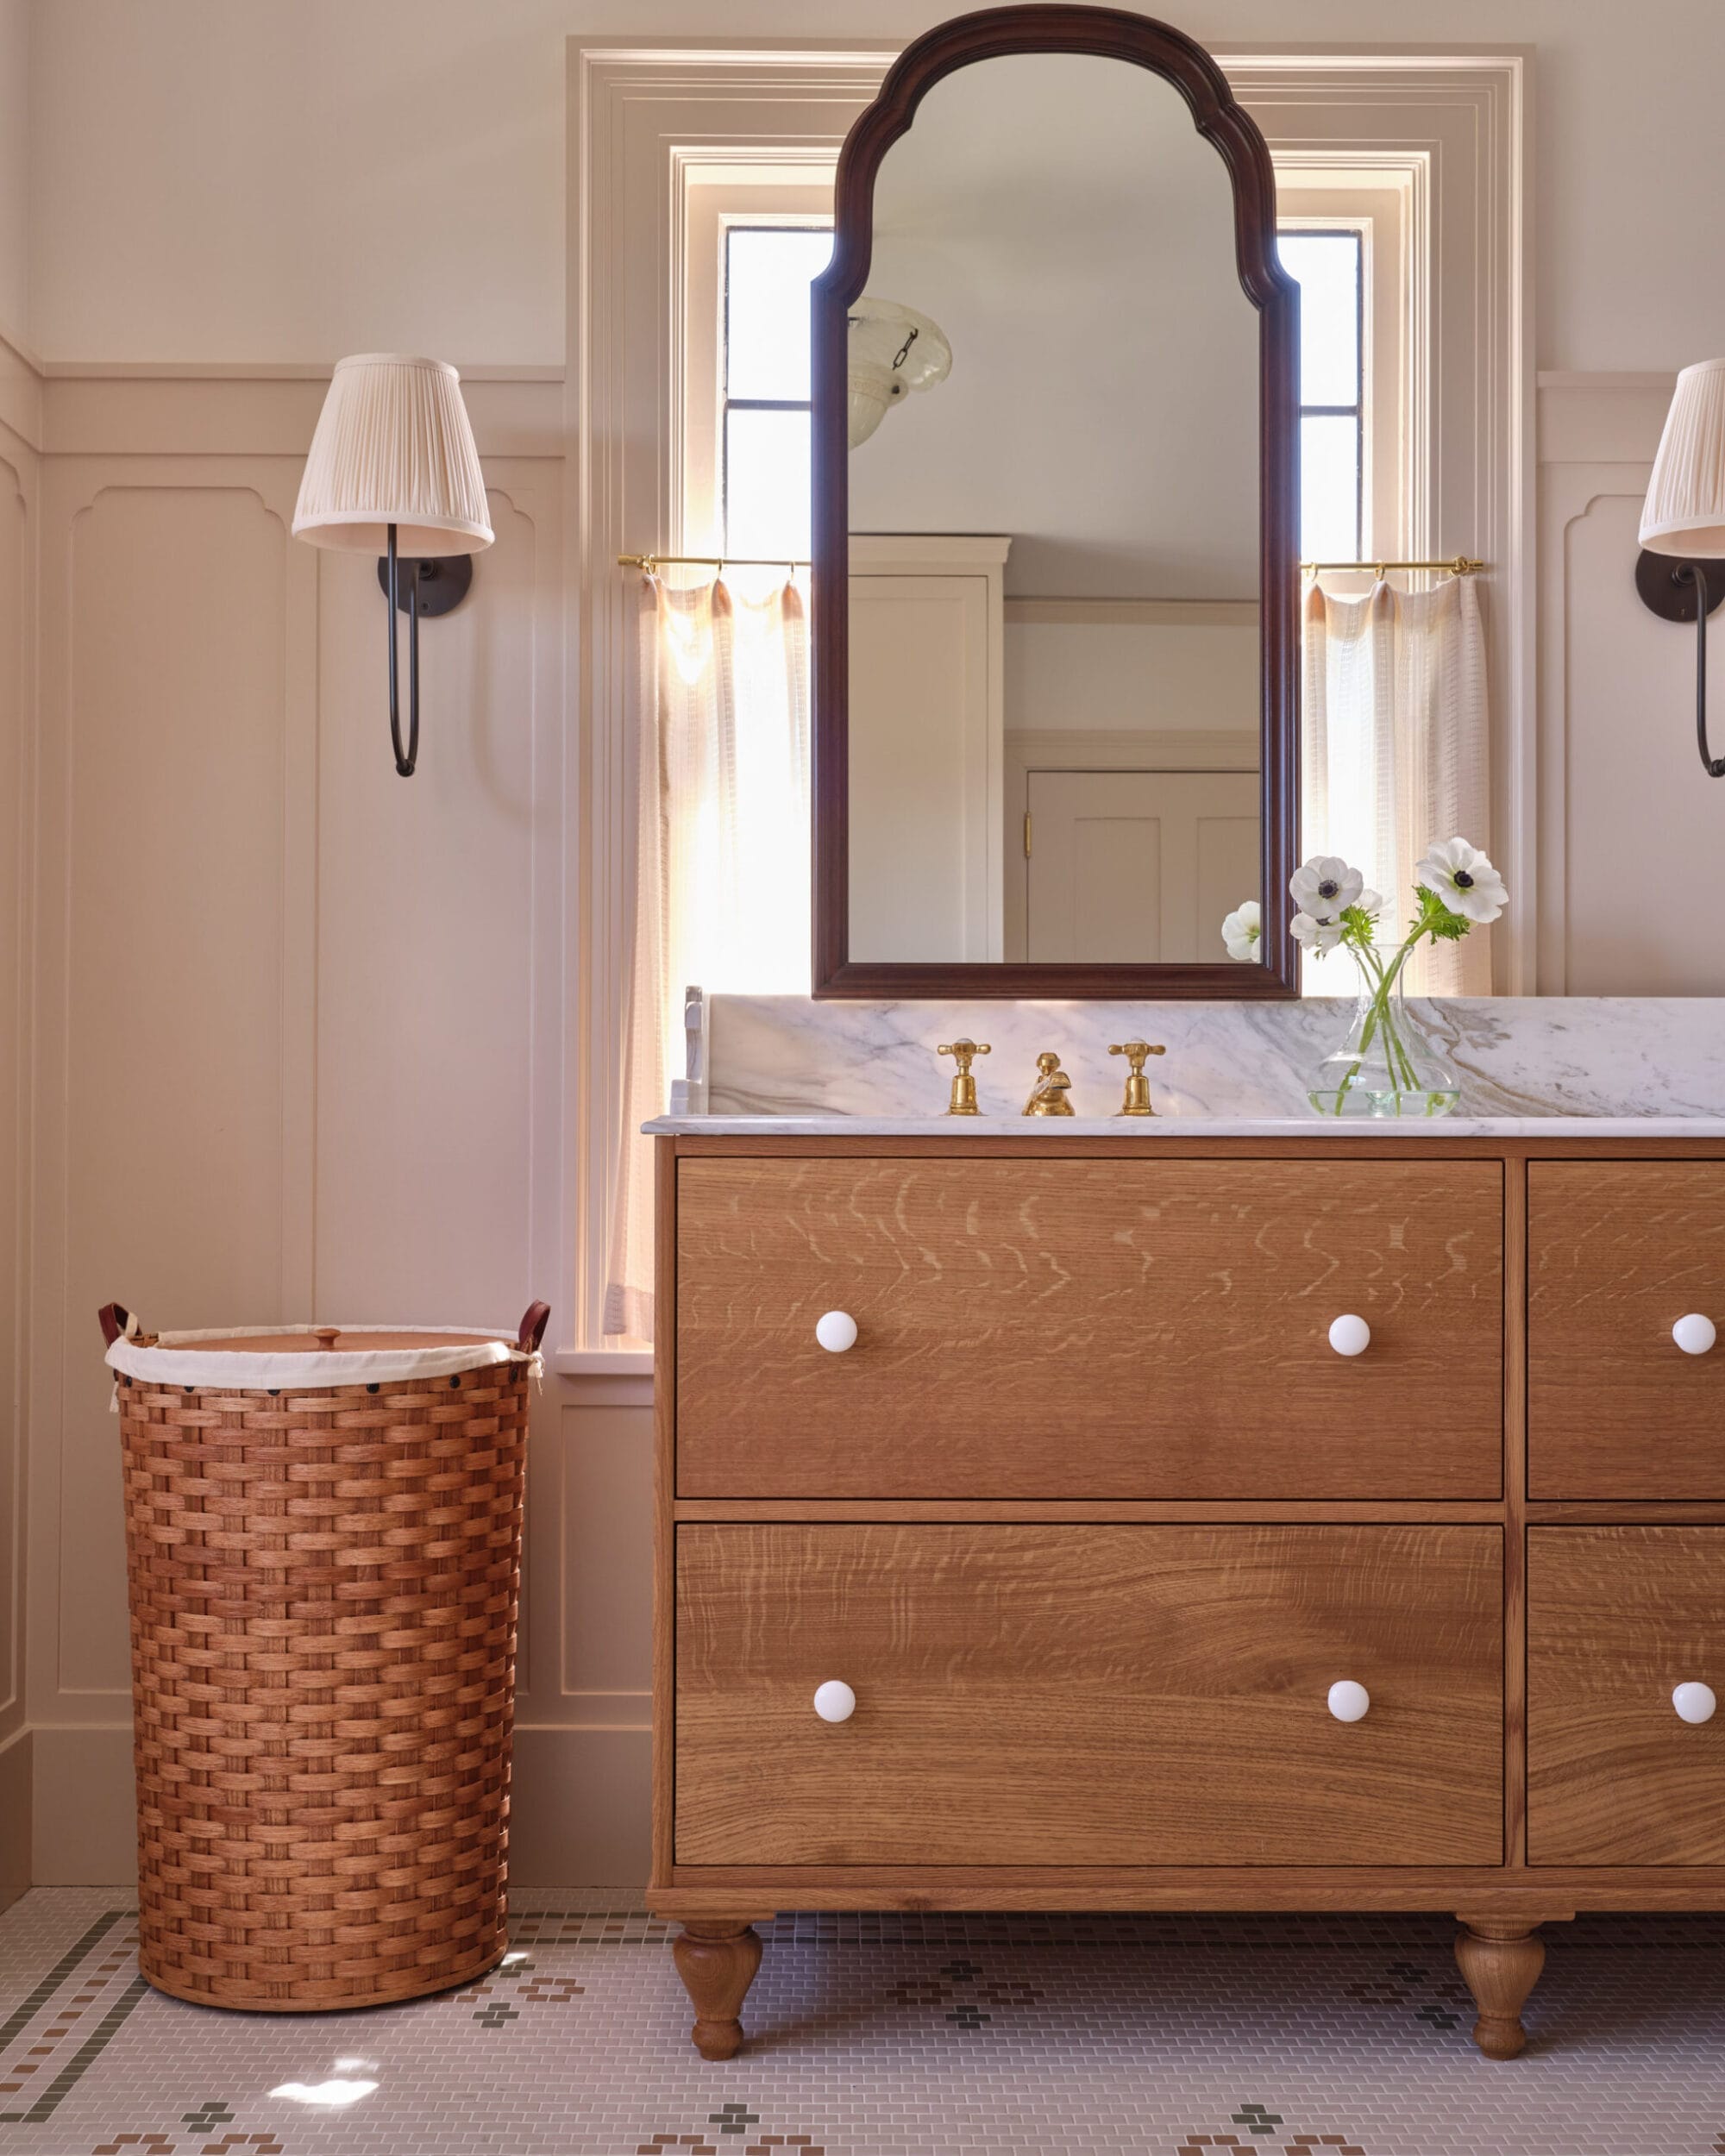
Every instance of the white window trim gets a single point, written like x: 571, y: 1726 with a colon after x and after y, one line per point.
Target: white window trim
x: 643, y: 113
x: 714, y: 204
x: 1385, y: 196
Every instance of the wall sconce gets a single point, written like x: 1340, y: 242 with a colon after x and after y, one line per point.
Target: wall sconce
x: 1681, y: 575
x: 392, y: 470
x: 891, y: 351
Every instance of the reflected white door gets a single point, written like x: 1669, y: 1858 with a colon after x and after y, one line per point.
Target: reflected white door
x: 1132, y: 867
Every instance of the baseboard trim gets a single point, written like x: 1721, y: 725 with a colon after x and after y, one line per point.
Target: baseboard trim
x: 15, y: 1807
x: 85, y: 1825
x: 580, y: 1807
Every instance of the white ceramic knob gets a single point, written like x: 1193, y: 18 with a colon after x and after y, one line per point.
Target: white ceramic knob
x: 835, y: 1702
x: 836, y: 1332
x: 1695, y: 1334
x: 1351, y: 1336
x: 1694, y: 1702
x: 1349, y: 1701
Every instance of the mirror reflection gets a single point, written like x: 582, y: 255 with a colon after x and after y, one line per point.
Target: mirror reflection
x: 1055, y: 531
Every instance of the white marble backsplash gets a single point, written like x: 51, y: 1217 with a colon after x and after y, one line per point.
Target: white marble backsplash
x: 1566, y: 1055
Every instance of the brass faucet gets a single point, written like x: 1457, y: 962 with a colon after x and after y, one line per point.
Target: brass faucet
x: 963, y: 1100
x: 1050, y: 1095
x: 1137, y: 1101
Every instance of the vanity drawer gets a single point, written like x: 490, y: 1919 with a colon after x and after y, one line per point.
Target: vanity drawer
x: 1617, y: 1252
x: 1088, y: 1695
x: 1617, y: 1619
x: 1088, y: 1328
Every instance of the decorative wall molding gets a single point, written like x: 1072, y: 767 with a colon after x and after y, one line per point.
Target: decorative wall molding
x: 1598, y: 436
x: 376, y: 1174
x: 20, y: 393
x: 20, y: 495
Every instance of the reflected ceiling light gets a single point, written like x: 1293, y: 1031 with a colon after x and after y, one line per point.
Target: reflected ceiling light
x: 892, y: 351
x: 333, y: 2095
x: 393, y: 470
x: 1681, y: 575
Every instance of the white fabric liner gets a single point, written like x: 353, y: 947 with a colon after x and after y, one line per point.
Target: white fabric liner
x: 315, y: 1373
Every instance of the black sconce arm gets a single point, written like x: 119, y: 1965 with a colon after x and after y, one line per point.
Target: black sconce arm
x: 404, y: 763
x: 1683, y: 592
x: 1712, y: 765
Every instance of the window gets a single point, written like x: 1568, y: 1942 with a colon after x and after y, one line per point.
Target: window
x: 765, y: 386
x: 1329, y: 268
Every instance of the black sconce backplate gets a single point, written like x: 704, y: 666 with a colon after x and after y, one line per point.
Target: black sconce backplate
x: 444, y: 582
x: 1668, y: 589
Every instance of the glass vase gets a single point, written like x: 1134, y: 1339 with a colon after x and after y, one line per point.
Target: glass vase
x: 1386, y: 1066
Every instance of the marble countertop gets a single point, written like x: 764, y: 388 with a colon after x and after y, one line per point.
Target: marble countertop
x: 1576, y: 1127
x: 1577, y: 1067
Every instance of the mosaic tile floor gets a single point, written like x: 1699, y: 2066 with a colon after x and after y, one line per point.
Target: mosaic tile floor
x: 887, y: 2036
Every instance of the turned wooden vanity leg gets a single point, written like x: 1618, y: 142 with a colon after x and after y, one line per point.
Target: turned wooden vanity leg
x: 717, y: 1962
x: 1500, y: 1960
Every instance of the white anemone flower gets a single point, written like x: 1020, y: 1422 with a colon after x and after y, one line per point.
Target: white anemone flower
x: 1241, y: 930
x: 1464, y: 878
x: 1325, y: 886
x: 1317, y: 932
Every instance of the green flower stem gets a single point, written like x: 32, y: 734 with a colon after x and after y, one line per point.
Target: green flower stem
x: 1381, y: 979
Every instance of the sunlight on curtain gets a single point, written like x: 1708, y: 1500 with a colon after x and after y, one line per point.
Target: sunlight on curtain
x: 720, y: 804
x: 1395, y: 753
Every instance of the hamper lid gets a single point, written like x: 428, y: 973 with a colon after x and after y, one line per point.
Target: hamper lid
x: 312, y: 1358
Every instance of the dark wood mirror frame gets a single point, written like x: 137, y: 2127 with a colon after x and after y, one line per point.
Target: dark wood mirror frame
x: 1112, y: 34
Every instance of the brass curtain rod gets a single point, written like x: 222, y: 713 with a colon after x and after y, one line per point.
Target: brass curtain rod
x: 651, y: 562
x: 1460, y: 566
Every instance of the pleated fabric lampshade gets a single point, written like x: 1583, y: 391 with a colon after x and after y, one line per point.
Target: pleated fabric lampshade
x: 393, y: 447
x: 1685, y: 512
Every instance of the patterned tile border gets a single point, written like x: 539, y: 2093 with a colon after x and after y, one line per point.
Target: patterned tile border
x: 51, y: 2024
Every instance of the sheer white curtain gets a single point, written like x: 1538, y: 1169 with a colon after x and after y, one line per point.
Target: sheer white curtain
x: 1395, y: 753
x: 720, y: 797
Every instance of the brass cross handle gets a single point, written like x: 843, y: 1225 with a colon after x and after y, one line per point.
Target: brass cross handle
x: 963, y: 1099
x: 964, y: 1050
x: 1137, y: 1101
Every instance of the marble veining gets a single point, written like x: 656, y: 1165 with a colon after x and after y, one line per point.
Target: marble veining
x: 1636, y: 1060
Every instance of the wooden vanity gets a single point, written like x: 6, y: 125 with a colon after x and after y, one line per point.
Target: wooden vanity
x: 1103, y: 1537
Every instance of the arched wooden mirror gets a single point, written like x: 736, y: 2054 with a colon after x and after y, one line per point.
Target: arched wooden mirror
x: 1056, y: 718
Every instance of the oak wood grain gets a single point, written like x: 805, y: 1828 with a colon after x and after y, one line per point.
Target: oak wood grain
x: 1500, y: 1959
x: 1163, y: 1140
x: 1514, y: 1542
x: 664, y: 1487
x: 1539, y: 1897
x: 1617, y: 1617
x: 1107, y: 1511
x: 1617, y: 1252
x: 1088, y: 1695
x: 1069, y: 1328
x: 718, y: 1961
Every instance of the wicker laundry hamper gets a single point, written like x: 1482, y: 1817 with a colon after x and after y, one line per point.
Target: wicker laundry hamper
x: 323, y: 1554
